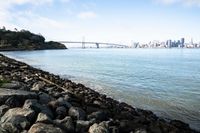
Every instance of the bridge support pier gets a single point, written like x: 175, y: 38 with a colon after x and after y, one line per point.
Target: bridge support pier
x: 97, y: 44
x: 83, y: 45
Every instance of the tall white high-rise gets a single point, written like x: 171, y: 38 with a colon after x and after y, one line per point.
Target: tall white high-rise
x: 192, y: 41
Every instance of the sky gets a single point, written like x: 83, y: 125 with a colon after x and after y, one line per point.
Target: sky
x: 114, y: 21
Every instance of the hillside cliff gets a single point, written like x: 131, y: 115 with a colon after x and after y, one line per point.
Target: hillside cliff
x: 25, y: 40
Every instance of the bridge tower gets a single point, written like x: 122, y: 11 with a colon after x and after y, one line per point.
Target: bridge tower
x: 83, y: 45
x: 97, y: 44
x: 83, y: 42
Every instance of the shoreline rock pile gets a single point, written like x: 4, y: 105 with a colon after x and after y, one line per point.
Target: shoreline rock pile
x: 35, y: 101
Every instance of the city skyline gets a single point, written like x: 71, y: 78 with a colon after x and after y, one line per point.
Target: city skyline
x: 180, y: 43
x: 106, y: 21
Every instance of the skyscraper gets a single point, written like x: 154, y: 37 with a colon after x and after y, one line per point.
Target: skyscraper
x: 169, y: 43
x: 191, y: 41
x: 182, y: 42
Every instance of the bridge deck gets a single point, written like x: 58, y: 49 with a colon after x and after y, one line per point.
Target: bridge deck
x: 97, y: 43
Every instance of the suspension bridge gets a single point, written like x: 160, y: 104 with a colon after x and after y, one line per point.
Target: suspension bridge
x: 97, y: 44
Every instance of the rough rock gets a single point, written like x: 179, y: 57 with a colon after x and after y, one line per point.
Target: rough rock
x: 59, y: 102
x: 82, y: 126
x: 97, y: 102
x: 33, y: 104
x: 66, y: 124
x: 77, y: 113
x: 24, y: 131
x: 12, y: 85
x: 62, y: 102
x: 90, y: 109
x: 124, y: 126
x: 3, y: 109
x: 179, y: 124
x: 44, y: 98
x: 68, y: 98
x: 105, y: 124
x: 53, y: 104
x: 97, y: 128
x: 155, y: 128
x: 113, y: 129
x: 38, y: 86
x: 61, y: 111
x: 43, y: 118
x: 44, y: 128
x: 140, y: 131
x: 2, y: 130
x: 21, y: 94
x: 27, y: 113
x: 99, y: 115
x: 14, y: 101
x: 15, y: 124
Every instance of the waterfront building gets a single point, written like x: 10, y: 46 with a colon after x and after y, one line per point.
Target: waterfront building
x: 170, y: 43
x: 182, y: 42
x: 135, y: 44
x: 191, y: 41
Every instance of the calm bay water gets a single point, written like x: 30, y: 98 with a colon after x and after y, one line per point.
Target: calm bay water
x: 166, y: 81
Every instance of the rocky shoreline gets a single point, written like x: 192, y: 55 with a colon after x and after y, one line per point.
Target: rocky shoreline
x: 35, y: 101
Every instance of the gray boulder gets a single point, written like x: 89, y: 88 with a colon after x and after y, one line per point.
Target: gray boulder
x: 77, y: 113
x: 98, y: 128
x: 38, y: 86
x: 61, y: 111
x: 20, y: 94
x: 99, y: 115
x: 27, y: 113
x: 179, y: 124
x: 24, y: 131
x: 68, y: 98
x: 15, y: 124
x: 44, y: 98
x: 82, y: 126
x: 113, y: 129
x: 140, y: 131
x: 62, y: 102
x: 34, y: 105
x: 2, y: 130
x: 44, y: 128
x: 14, y: 101
x: 66, y: 124
x: 43, y: 118
x: 3, y: 109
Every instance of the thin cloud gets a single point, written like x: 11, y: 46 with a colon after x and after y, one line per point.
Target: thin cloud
x: 29, y: 20
x: 183, y: 2
x: 168, y: 1
x: 65, y: 1
x: 9, y: 3
x: 87, y: 15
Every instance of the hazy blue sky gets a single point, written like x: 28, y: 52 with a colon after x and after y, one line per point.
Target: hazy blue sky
x: 104, y: 20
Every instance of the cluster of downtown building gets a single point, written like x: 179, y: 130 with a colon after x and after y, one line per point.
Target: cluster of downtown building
x: 168, y: 44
